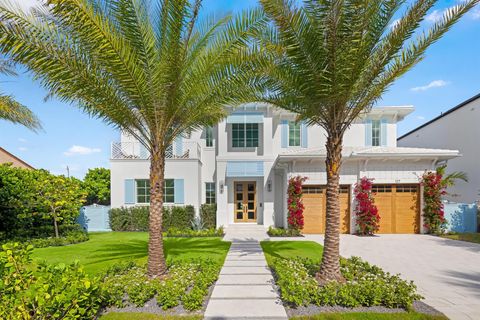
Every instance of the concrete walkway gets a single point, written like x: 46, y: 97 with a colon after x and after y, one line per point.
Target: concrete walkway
x: 245, y: 288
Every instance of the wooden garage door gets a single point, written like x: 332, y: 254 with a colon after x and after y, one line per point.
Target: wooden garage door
x: 398, y: 206
x: 314, y: 200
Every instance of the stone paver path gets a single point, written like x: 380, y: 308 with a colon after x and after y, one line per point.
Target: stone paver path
x: 245, y: 288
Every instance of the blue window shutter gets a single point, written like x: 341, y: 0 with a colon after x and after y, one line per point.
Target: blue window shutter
x: 179, y: 146
x: 179, y: 192
x: 129, y: 191
x: 368, y: 133
x: 304, y: 134
x: 383, y: 133
x: 284, y: 132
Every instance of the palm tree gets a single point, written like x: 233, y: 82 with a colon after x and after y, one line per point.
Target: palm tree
x: 146, y: 67
x: 332, y: 60
x: 10, y: 109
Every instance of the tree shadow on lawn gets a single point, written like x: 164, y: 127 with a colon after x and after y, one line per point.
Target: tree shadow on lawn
x: 175, y: 248
x: 292, y: 249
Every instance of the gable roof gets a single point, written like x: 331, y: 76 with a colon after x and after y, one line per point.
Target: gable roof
x: 443, y: 114
x: 15, y: 159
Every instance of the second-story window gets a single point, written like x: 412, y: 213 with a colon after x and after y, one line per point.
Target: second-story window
x: 293, y: 134
x: 245, y: 135
x: 376, y: 131
x: 209, y: 136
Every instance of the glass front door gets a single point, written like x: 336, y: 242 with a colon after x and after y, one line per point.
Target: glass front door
x: 245, y: 201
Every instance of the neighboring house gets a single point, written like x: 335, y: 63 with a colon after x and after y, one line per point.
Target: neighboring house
x: 458, y: 128
x: 243, y: 165
x: 7, y: 157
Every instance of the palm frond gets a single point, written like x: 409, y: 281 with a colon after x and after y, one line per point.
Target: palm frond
x: 17, y: 113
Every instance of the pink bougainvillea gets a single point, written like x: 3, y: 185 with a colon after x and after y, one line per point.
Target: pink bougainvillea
x: 367, y: 217
x: 433, y: 210
x: 295, y: 205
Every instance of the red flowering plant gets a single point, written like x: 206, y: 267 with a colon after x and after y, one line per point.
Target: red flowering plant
x: 435, y: 184
x: 295, y: 204
x: 367, y: 217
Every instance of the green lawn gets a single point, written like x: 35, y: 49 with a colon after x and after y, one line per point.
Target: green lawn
x: 470, y: 237
x: 292, y: 249
x: 144, y: 316
x: 109, y: 248
x: 372, y: 316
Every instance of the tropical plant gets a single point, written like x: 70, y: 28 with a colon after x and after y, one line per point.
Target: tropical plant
x: 12, y: 110
x: 367, y: 218
x: 330, y: 61
x: 146, y: 67
x: 97, y: 185
x: 435, y: 184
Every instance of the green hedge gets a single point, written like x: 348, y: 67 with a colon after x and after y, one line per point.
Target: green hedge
x: 208, y: 212
x: 136, y: 218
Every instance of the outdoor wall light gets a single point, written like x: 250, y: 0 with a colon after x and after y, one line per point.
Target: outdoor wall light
x: 221, y: 186
x: 269, y: 185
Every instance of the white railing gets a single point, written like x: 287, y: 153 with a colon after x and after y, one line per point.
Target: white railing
x: 137, y: 151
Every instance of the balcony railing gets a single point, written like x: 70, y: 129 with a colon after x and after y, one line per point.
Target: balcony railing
x: 137, y: 151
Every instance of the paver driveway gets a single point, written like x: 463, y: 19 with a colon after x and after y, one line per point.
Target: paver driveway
x: 447, y: 272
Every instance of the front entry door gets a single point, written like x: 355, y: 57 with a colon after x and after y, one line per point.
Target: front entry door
x: 245, y: 201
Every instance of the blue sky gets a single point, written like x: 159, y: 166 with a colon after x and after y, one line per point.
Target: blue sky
x: 449, y: 74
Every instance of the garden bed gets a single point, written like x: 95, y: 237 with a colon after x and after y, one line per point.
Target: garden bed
x: 367, y: 289
x: 280, y: 232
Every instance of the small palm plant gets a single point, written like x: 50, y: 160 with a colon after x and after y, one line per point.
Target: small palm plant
x: 330, y: 61
x: 12, y: 110
x: 147, y: 67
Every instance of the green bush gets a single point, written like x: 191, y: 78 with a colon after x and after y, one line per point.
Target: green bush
x: 51, y: 292
x: 189, y: 233
x: 187, y: 283
x: 136, y: 218
x: 208, y: 213
x: 366, y: 285
x: 280, y: 232
x: 75, y: 235
x: 178, y: 217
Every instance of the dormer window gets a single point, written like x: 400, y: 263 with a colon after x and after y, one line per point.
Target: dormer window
x: 376, y: 133
x: 294, y: 134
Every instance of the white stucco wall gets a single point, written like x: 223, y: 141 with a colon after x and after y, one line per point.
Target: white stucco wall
x: 458, y: 130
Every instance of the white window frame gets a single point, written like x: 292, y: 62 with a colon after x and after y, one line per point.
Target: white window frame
x: 299, y: 133
x: 376, y: 133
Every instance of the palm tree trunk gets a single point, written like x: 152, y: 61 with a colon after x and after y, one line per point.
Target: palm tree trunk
x: 156, y: 257
x: 330, y: 265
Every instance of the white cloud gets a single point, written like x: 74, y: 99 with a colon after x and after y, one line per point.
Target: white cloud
x: 434, y: 16
x: 22, y: 140
x: 475, y: 13
x: 420, y: 118
x: 433, y: 84
x: 22, y: 149
x: 80, y: 150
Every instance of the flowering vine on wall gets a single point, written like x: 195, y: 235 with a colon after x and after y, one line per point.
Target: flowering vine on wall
x: 433, y: 211
x: 295, y: 204
x: 367, y: 216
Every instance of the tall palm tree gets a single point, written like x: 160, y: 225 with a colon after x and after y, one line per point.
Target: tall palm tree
x: 12, y: 110
x: 332, y: 60
x: 148, y: 67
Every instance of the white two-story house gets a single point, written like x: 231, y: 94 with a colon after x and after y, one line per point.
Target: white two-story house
x: 243, y: 165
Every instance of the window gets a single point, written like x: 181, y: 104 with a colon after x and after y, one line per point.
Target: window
x: 209, y: 136
x: 210, y: 192
x: 245, y: 135
x: 293, y: 134
x: 376, y: 128
x: 143, y: 191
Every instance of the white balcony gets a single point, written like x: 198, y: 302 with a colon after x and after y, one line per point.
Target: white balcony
x: 137, y: 151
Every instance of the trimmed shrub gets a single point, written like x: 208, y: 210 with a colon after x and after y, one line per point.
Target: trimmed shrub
x: 280, y: 232
x: 366, y: 285
x: 189, y: 233
x: 208, y: 212
x: 136, y: 218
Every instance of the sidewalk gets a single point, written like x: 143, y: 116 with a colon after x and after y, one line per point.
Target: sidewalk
x: 245, y: 288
